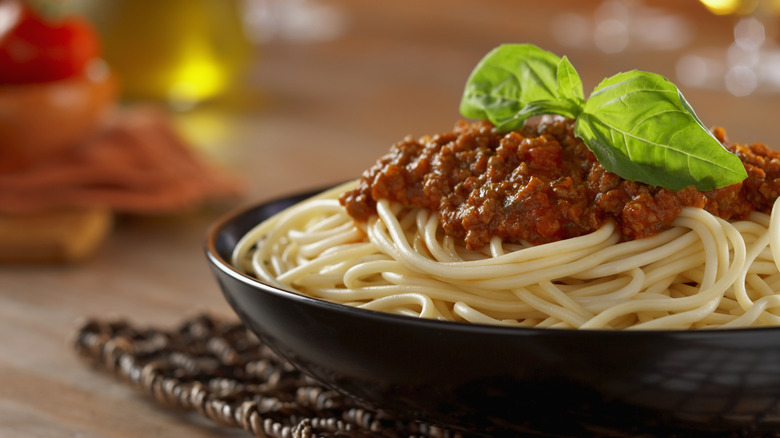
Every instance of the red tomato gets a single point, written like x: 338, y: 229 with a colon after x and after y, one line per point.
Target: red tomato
x: 34, y: 49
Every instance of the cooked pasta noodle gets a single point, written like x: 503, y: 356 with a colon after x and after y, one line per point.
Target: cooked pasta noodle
x: 704, y: 272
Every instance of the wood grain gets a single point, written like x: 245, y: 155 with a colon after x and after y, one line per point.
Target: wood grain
x: 61, y: 236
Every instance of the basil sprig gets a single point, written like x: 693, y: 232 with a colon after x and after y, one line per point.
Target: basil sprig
x: 638, y: 124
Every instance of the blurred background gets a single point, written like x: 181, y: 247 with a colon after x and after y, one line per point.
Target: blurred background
x: 251, y: 81
x: 281, y: 96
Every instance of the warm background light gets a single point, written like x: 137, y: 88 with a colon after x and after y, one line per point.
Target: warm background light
x: 178, y: 51
x: 741, y: 7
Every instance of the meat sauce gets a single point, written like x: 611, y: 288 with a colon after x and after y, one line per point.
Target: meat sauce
x: 542, y: 184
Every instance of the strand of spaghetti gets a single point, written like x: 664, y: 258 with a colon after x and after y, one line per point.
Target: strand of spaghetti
x: 397, y: 304
x: 763, y: 219
x: 702, y: 222
x: 354, y: 277
x: 564, y: 300
x: 393, y: 272
x: 688, y: 255
x: 758, y: 285
x: 562, y: 313
x: 501, y: 297
x: 336, y: 239
x: 419, y: 246
x: 762, y: 268
x: 577, y: 268
x: 753, y: 227
x: 536, y: 252
x: 430, y: 227
x: 277, y: 262
x: 261, y: 269
x: 714, y: 320
x: 530, y: 322
x: 583, y: 260
x: 665, y: 287
x: 593, y: 287
x: 740, y: 290
x: 670, y: 269
x: 322, y: 229
x: 444, y: 310
x: 287, y: 259
x: 398, y: 247
x: 474, y: 316
x: 635, y: 253
x: 623, y: 322
x: 757, y: 310
x: 774, y: 233
x: 347, y: 251
x: 497, y: 247
x: 449, y: 244
x: 249, y: 240
x: 291, y: 217
x: 760, y: 288
x: 267, y: 271
x: 277, y: 237
x: 681, y: 304
x: 773, y: 281
x: 315, y: 283
x: 601, y: 302
x: 315, y: 230
x: 682, y: 319
x: 550, y: 322
x: 518, y: 310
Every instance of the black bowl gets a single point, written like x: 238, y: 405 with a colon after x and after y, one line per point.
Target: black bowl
x: 500, y: 381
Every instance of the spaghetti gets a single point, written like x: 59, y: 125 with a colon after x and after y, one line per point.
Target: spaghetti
x: 705, y: 267
x: 704, y: 272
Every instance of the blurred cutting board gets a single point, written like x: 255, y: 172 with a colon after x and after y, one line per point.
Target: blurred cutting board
x: 61, y: 236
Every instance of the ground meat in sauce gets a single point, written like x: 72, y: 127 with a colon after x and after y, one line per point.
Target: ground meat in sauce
x: 542, y: 184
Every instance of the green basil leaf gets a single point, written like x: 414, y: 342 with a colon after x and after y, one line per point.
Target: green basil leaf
x: 569, y: 82
x: 506, y: 80
x: 564, y: 108
x: 637, y: 124
x: 641, y: 128
x: 567, y: 102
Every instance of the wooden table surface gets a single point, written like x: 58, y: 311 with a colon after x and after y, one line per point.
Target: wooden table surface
x: 312, y: 113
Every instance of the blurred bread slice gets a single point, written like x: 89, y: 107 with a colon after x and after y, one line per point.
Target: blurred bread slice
x: 61, y: 236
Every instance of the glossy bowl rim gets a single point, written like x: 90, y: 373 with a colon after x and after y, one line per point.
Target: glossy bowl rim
x: 215, y: 230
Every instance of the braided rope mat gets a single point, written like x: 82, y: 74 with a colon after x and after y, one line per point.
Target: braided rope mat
x: 220, y: 370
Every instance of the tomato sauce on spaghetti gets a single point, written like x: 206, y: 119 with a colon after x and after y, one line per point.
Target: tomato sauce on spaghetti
x: 542, y: 184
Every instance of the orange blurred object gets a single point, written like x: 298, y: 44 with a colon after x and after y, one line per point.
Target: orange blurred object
x: 54, y: 89
x: 41, y: 120
x: 70, y: 156
x: 135, y: 163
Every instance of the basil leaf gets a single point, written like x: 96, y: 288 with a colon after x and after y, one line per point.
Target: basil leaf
x: 638, y: 124
x: 564, y: 108
x: 567, y: 102
x: 507, y: 79
x: 641, y: 128
x: 569, y: 82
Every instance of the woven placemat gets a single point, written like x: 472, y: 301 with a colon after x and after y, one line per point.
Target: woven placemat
x: 220, y: 370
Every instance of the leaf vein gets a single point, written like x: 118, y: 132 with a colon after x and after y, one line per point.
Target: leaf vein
x: 625, y: 135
